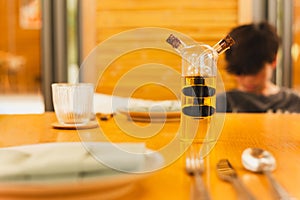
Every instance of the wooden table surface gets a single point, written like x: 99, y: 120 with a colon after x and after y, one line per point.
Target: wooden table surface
x: 278, y: 133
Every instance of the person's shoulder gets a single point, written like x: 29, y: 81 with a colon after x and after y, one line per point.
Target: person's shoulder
x: 231, y: 94
x: 291, y: 98
x: 234, y: 93
x: 290, y: 93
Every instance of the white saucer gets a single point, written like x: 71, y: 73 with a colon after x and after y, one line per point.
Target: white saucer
x: 89, y: 125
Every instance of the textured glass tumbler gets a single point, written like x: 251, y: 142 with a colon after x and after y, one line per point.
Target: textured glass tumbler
x: 73, y: 103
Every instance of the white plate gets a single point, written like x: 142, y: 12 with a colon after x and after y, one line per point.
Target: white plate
x: 137, y: 114
x: 100, y: 186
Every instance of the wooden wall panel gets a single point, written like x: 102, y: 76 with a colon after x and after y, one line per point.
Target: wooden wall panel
x: 205, y: 21
x: 20, y: 42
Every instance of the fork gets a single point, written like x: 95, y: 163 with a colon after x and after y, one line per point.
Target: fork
x: 226, y: 172
x: 194, y: 167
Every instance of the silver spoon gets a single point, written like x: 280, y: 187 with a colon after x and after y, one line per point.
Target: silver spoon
x: 259, y: 160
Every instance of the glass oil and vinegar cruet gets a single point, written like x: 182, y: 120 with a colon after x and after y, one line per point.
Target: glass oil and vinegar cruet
x: 198, y: 87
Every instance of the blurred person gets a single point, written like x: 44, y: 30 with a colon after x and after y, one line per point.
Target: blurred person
x: 252, y: 60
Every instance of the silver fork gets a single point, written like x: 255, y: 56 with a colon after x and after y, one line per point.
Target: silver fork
x: 226, y: 172
x: 194, y: 167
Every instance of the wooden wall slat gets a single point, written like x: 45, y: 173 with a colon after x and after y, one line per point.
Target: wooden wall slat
x: 205, y: 21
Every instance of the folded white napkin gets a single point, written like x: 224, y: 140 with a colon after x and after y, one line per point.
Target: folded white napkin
x: 109, y: 104
x: 70, y: 158
x: 106, y: 103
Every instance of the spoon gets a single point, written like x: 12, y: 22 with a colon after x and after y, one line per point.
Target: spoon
x: 259, y: 160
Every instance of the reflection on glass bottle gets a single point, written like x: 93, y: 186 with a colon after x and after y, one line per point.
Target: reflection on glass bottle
x: 198, y: 94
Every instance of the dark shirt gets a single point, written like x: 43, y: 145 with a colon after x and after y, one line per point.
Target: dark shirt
x: 285, y: 101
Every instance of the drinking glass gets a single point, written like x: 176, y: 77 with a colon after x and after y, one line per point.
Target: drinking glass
x: 73, y: 103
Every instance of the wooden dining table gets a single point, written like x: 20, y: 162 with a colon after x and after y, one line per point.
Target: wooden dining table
x: 277, y: 133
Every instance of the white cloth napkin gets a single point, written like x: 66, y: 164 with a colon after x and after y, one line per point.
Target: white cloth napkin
x: 109, y: 104
x: 69, y: 158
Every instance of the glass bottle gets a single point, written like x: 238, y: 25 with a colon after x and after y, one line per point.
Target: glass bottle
x: 198, y: 88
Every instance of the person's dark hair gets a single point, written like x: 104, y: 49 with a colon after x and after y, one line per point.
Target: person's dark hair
x: 255, y: 45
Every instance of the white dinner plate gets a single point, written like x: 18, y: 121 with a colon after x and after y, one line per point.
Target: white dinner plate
x: 141, y: 114
x: 114, y: 185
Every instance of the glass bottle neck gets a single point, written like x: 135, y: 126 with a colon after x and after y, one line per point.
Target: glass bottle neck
x: 224, y: 44
x: 176, y: 43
